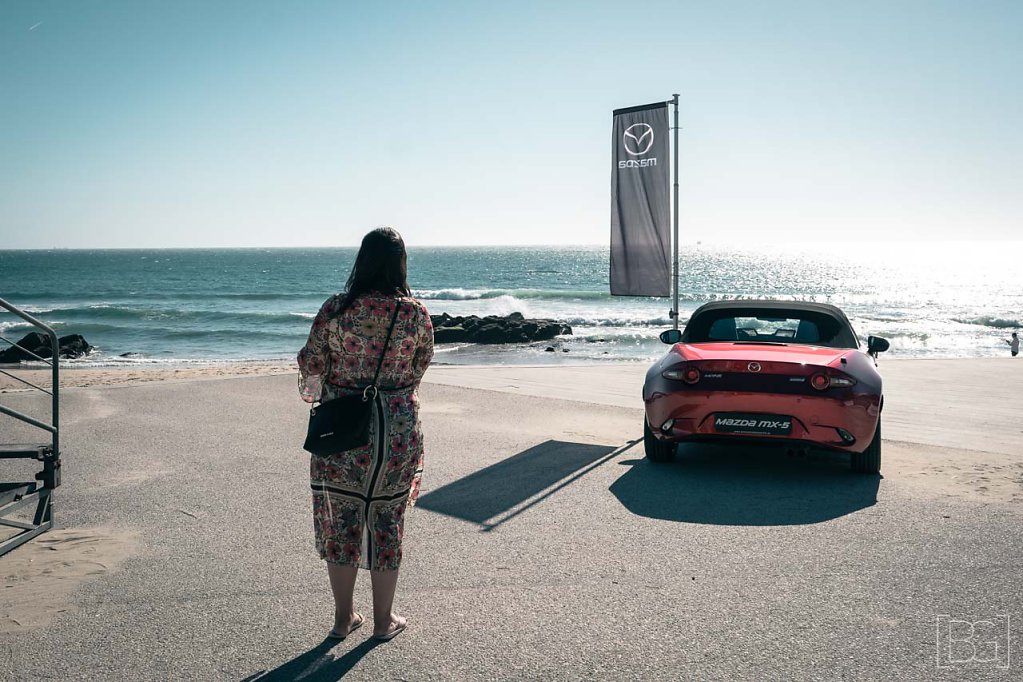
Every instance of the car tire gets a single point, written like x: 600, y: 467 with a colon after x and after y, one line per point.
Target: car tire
x: 656, y: 450
x: 869, y: 461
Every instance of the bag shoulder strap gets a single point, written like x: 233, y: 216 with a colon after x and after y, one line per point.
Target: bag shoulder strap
x: 383, y: 351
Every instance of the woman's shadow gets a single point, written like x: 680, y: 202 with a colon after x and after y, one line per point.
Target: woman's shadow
x: 735, y: 486
x: 317, y: 664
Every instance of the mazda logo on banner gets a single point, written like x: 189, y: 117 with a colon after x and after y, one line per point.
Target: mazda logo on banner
x: 638, y: 139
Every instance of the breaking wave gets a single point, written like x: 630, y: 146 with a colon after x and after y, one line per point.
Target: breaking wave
x: 986, y: 321
x: 458, y: 294
x: 113, y: 314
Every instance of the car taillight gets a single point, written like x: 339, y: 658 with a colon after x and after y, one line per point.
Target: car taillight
x: 690, y: 375
x: 823, y: 381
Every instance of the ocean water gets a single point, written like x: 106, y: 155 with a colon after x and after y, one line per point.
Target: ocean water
x: 224, y: 305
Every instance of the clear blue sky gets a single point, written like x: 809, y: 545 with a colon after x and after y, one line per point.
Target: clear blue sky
x: 146, y: 124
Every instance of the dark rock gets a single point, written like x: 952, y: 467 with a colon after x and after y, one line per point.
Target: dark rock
x: 548, y: 349
x: 494, y: 329
x: 38, y: 344
x: 548, y: 329
x: 449, y: 334
x: 73, y: 346
x: 494, y: 333
x: 33, y: 342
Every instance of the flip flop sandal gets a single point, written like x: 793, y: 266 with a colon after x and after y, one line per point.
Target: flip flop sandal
x: 355, y: 626
x: 392, y: 634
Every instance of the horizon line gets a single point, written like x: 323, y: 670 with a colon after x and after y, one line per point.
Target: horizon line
x: 696, y: 243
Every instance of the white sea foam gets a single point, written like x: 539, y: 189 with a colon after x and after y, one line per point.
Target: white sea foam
x: 450, y: 294
x: 99, y: 361
x: 14, y: 327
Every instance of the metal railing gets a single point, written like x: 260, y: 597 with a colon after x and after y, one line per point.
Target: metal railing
x: 14, y: 496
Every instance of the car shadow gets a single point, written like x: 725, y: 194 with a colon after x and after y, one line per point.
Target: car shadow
x: 494, y: 495
x: 742, y: 486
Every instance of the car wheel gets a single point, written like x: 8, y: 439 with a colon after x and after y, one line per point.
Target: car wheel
x: 656, y: 450
x: 869, y: 461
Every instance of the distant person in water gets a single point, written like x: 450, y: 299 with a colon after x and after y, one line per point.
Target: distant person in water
x: 1013, y: 344
x: 360, y: 495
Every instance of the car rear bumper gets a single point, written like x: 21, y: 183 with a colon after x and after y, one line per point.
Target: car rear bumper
x: 816, y: 421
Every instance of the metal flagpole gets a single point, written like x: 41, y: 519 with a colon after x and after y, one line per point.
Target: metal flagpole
x: 674, y: 287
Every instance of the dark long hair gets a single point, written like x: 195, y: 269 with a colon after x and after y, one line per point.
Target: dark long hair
x: 380, y: 266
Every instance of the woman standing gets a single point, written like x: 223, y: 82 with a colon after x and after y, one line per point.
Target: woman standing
x: 360, y: 495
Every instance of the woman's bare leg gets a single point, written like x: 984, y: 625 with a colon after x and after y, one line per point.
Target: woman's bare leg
x: 342, y: 584
x: 385, y: 620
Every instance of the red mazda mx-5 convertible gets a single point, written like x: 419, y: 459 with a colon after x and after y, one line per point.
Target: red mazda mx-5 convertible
x: 748, y: 371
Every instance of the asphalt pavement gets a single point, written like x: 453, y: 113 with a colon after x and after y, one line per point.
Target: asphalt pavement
x: 544, y: 546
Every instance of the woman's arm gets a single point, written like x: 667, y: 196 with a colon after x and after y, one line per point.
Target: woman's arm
x: 424, y: 345
x: 312, y: 359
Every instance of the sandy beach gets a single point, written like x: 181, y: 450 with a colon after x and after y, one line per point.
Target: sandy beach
x: 88, y: 377
x: 544, y: 545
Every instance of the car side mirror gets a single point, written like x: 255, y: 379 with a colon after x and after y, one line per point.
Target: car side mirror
x: 672, y: 336
x: 876, y: 344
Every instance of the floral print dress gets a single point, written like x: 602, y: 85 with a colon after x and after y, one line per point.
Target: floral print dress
x: 360, y: 495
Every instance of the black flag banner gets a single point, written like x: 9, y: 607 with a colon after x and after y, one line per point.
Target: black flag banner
x: 640, y: 215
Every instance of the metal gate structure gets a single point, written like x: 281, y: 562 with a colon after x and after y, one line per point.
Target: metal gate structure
x: 15, y: 496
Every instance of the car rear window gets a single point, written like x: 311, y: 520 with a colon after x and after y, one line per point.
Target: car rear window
x: 804, y: 327
x: 764, y: 329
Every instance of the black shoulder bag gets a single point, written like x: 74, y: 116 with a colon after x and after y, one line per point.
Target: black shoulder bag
x: 343, y: 423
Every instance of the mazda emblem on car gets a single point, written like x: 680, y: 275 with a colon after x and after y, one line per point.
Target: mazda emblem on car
x: 753, y: 366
